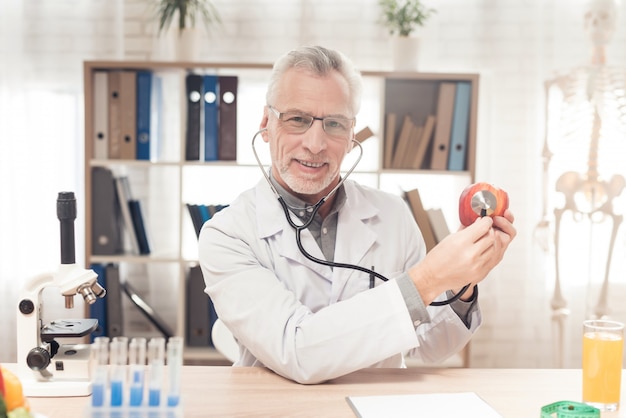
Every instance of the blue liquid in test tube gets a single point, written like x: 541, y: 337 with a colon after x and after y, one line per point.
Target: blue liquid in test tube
x: 174, y: 366
x: 137, y: 361
x: 100, y: 352
x: 156, y: 358
x: 119, y: 358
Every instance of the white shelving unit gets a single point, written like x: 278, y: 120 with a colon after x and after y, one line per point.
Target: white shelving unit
x: 164, y: 185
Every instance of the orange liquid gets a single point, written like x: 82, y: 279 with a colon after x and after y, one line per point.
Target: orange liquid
x: 602, y: 367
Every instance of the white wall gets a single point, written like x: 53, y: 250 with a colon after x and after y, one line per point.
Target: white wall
x: 515, y: 45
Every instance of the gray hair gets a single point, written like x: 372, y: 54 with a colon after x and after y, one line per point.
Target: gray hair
x: 320, y: 61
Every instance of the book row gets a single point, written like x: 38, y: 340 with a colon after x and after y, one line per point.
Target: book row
x: 211, y: 129
x: 200, y: 213
x: 116, y: 216
x: 441, y: 142
x: 126, y: 112
x: 128, y: 115
x: 432, y: 222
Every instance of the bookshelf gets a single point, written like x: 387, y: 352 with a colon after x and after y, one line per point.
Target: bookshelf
x: 167, y: 182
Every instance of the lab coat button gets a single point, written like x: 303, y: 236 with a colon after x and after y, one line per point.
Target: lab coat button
x: 417, y: 322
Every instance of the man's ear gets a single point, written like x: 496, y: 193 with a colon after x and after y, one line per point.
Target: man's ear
x: 351, y: 143
x: 263, y: 125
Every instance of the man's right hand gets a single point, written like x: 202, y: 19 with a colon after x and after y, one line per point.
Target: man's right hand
x: 466, y: 256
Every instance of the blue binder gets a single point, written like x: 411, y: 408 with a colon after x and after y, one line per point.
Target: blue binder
x: 460, y: 128
x: 211, y: 93
x: 98, y: 309
x: 144, y: 91
x: 140, y: 229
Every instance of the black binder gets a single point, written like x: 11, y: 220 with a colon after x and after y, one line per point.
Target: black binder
x: 115, y: 316
x: 200, y: 312
x: 106, y: 227
x: 227, y: 145
x: 193, y: 88
x: 147, y: 310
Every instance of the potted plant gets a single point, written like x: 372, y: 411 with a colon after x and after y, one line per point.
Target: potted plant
x: 185, y: 13
x: 179, y: 18
x: 402, y: 18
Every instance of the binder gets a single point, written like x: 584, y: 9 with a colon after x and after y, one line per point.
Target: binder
x: 441, y: 142
x: 122, y: 188
x: 213, y: 209
x: 97, y: 310
x: 205, y: 213
x: 412, y: 148
x: 106, y: 232
x: 200, y: 312
x: 156, y: 117
x: 139, y: 224
x: 460, y: 126
x: 196, y: 217
x: 390, y: 139
x: 227, y: 144
x: 193, y: 88
x: 438, y: 223
x: 403, y: 142
x: 115, y: 128
x: 128, y: 114
x: 147, y: 310
x: 363, y: 134
x: 115, y: 316
x: 421, y: 217
x: 100, y: 115
x: 144, y: 99
x: 210, y: 98
x: 426, y: 138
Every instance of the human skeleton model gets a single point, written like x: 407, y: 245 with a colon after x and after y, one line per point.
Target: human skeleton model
x: 592, y: 107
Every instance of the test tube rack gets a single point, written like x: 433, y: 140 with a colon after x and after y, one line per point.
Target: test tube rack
x: 132, y: 378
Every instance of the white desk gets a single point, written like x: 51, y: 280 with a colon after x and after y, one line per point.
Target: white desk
x: 245, y: 392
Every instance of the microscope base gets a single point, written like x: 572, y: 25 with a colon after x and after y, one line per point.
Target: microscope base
x: 52, y: 389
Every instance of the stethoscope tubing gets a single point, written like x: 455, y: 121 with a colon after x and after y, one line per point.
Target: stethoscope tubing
x: 299, y: 228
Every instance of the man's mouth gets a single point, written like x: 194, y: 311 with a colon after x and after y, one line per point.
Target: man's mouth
x: 310, y: 164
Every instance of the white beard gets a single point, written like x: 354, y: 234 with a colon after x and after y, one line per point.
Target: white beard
x: 303, y: 185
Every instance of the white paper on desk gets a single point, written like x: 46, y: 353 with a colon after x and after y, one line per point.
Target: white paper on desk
x: 463, y: 404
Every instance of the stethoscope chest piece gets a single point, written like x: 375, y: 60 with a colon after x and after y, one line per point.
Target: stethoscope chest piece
x: 484, y: 203
x: 481, y: 199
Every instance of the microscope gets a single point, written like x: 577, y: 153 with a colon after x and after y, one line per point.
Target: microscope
x: 54, y: 369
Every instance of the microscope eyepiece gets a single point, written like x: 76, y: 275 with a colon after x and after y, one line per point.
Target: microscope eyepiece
x: 66, y: 206
x: 66, y: 212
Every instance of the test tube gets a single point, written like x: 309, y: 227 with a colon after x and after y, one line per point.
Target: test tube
x: 174, y: 366
x: 156, y: 357
x: 119, y: 358
x: 136, y: 361
x: 100, y: 353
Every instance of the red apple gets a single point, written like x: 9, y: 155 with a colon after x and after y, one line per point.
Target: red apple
x: 481, y: 199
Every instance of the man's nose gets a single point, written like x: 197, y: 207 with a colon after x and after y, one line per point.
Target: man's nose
x: 315, y: 139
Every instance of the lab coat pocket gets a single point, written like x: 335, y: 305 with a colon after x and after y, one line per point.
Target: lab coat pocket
x: 363, y: 281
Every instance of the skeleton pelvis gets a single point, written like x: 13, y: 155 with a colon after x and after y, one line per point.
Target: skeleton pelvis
x: 586, y: 195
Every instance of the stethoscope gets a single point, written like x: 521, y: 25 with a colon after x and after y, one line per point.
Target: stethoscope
x: 313, y: 211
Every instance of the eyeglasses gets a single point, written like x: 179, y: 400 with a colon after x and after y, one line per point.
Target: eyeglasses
x: 299, y: 123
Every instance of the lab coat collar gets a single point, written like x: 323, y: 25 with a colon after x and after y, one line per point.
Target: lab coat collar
x: 352, y: 223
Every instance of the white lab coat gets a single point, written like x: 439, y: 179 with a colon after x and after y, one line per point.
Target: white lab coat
x: 306, y: 321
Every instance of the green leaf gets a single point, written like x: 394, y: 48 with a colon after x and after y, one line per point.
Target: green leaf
x: 187, y: 12
x: 3, y: 407
x: 402, y: 17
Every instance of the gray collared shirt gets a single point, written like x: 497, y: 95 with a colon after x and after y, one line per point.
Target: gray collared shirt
x: 324, y: 232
